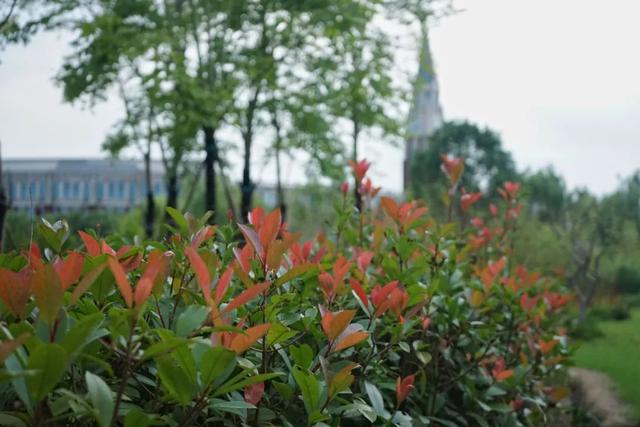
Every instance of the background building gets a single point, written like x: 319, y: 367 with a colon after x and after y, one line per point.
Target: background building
x: 426, y: 113
x: 59, y: 185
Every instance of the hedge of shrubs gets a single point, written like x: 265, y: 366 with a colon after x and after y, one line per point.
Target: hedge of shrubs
x: 392, y: 319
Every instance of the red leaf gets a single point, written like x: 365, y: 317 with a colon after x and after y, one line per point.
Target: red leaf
x: 352, y: 335
x: 145, y: 284
x: 359, y: 291
x: 204, y: 234
x: 121, y: 280
x: 246, y: 296
x: 92, y: 246
x: 404, y: 387
x: 270, y: 227
x: 253, y: 393
x: 242, y: 342
x: 9, y: 346
x: 223, y: 284
x: 86, y: 282
x: 202, y: 273
x: 390, y: 207
x: 69, y: 269
x: 15, y: 290
x: 48, y: 292
x: 547, y: 346
x: 334, y: 324
x: 252, y: 238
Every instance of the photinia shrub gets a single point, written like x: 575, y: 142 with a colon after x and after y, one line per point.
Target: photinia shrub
x: 395, y: 319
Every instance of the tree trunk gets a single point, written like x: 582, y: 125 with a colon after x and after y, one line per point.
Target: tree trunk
x: 279, y: 190
x: 4, y: 206
x: 227, y: 191
x: 150, y: 213
x: 211, y: 149
x: 356, y: 187
x: 247, y: 186
x: 172, y: 190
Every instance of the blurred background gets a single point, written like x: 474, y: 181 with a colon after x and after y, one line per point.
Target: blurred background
x: 112, y: 110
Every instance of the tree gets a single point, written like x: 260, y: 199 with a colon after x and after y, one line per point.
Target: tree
x: 487, y: 164
x: 356, y: 73
x: 546, y: 193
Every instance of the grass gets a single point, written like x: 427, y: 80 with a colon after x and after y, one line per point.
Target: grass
x: 617, y: 354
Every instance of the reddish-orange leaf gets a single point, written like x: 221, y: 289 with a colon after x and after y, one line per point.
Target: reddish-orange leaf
x: 390, y: 206
x: 106, y: 249
x: 223, y: 284
x: 246, y: 296
x: 202, y: 273
x: 242, y: 342
x: 15, y: 290
x: 143, y: 290
x: 121, y: 280
x: 274, y: 254
x: 69, y: 269
x: 338, y: 323
x: 404, y: 387
x: 547, y: 346
x: 253, y: 393
x: 9, y: 346
x: 503, y: 375
x: 48, y: 292
x: 86, y: 282
x: 202, y: 235
x: 359, y: 291
x: 351, y: 340
x: 252, y: 238
x: 270, y: 227
x: 92, y: 246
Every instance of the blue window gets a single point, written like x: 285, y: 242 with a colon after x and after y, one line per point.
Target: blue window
x: 23, y: 191
x: 157, y: 188
x: 54, y: 190
x: 66, y: 190
x: 112, y: 190
x: 85, y: 189
x: 43, y: 189
x: 120, y: 190
x: 75, y: 190
x: 99, y: 190
x: 132, y: 191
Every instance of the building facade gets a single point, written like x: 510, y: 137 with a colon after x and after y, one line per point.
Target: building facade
x: 59, y: 185
x: 425, y: 116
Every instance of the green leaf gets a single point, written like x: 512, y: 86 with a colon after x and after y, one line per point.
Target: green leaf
x: 179, y: 219
x: 101, y: 398
x: 190, y: 319
x: 83, y: 332
x: 237, y: 407
x: 215, y: 362
x: 11, y: 421
x: 279, y: 333
x: 375, y: 397
x: 137, y: 418
x: 285, y: 390
x: 309, y: 387
x: 165, y: 346
x: 49, y: 361
x: 228, y: 388
x: 296, y: 271
x: 175, y: 380
x: 302, y: 355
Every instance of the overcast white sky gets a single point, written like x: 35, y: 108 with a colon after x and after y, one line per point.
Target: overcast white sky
x: 557, y: 79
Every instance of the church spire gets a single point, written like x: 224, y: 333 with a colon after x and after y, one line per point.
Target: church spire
x: 425, y: 116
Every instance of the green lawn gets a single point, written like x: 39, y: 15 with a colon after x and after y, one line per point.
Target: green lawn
x: 617, y: 354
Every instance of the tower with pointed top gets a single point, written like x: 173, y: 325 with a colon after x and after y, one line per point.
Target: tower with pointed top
x: 425, y: 116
